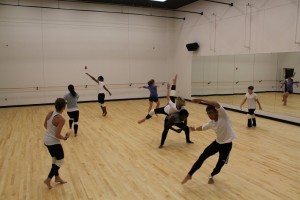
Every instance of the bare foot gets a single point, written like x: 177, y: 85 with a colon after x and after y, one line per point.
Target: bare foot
x: 59, y: 180
x: 141, y: 121
x: 47, y: 182
x: 160, y: 146
x: 211, y: 180
x: 186, y: 179
x: 104, y: 114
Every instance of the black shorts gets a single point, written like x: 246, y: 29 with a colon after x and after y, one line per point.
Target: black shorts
x: 74, y: 115
x: 56, y: 151
x: 101, y: 97
x: 155, y: 99
x: 290, y: 92
x: 251, y: 111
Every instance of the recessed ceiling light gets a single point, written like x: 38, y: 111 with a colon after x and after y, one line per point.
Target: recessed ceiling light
x: 159, y: 0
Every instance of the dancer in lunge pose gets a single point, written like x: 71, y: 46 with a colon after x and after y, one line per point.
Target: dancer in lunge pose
x: 178, y: 119
x: 221, y: 124
x: 175, y: 104
x: 153, y: 94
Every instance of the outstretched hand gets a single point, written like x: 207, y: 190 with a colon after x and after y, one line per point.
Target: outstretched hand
x: 196, y: 100
x: 192, y: 128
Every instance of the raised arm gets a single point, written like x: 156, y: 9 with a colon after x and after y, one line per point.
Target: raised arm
x: 92, y: 78
x: 168, y: 92
x: 213, y: 103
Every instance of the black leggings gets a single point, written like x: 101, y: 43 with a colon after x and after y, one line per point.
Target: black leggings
x: 179, y: 125
x: 213, y: 148
x: 57, y: 152
x: 74, y: 116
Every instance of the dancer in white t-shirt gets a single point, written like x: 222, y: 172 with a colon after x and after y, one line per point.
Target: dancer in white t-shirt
x: 251, y: 98
x: 221, y: 124
x: 101, y: 95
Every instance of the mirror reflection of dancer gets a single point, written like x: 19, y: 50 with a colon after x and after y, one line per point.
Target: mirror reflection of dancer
x: 288, y: 88
x: 251, y: 98
x: 54, y: 123
x: 175, y: 104
x: 153, y: 94
x: 101, y: 95
x: 221, y: 124
x: 72, y: 108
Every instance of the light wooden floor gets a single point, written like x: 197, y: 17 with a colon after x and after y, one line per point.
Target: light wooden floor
x: 115, y: 158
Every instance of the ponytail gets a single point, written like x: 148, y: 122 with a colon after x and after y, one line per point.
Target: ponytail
x: 72, y: 90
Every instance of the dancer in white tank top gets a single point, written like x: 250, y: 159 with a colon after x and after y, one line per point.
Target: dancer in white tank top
x: 54, y: 123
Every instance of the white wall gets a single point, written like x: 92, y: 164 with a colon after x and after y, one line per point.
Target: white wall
x: 49, y: 48
x: 273, y: 27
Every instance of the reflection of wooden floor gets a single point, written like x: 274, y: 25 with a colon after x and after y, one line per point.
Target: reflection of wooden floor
x: 270, y: 102
x: 115, y: 158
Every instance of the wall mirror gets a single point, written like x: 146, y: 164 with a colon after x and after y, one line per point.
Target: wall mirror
x: 226, y: 78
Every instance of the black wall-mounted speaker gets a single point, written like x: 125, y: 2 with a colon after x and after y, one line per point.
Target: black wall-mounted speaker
x: 192, y: 46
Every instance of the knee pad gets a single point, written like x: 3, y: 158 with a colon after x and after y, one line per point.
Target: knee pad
x: 102, y: 105
x: 59, y: 162
x: 75, y: 123
x: 53, y: 160
x: 248, y: 116
x: 151, y: 113
x: 72, y: 119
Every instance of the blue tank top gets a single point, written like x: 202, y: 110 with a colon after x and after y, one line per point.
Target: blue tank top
x: 153, y: 90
